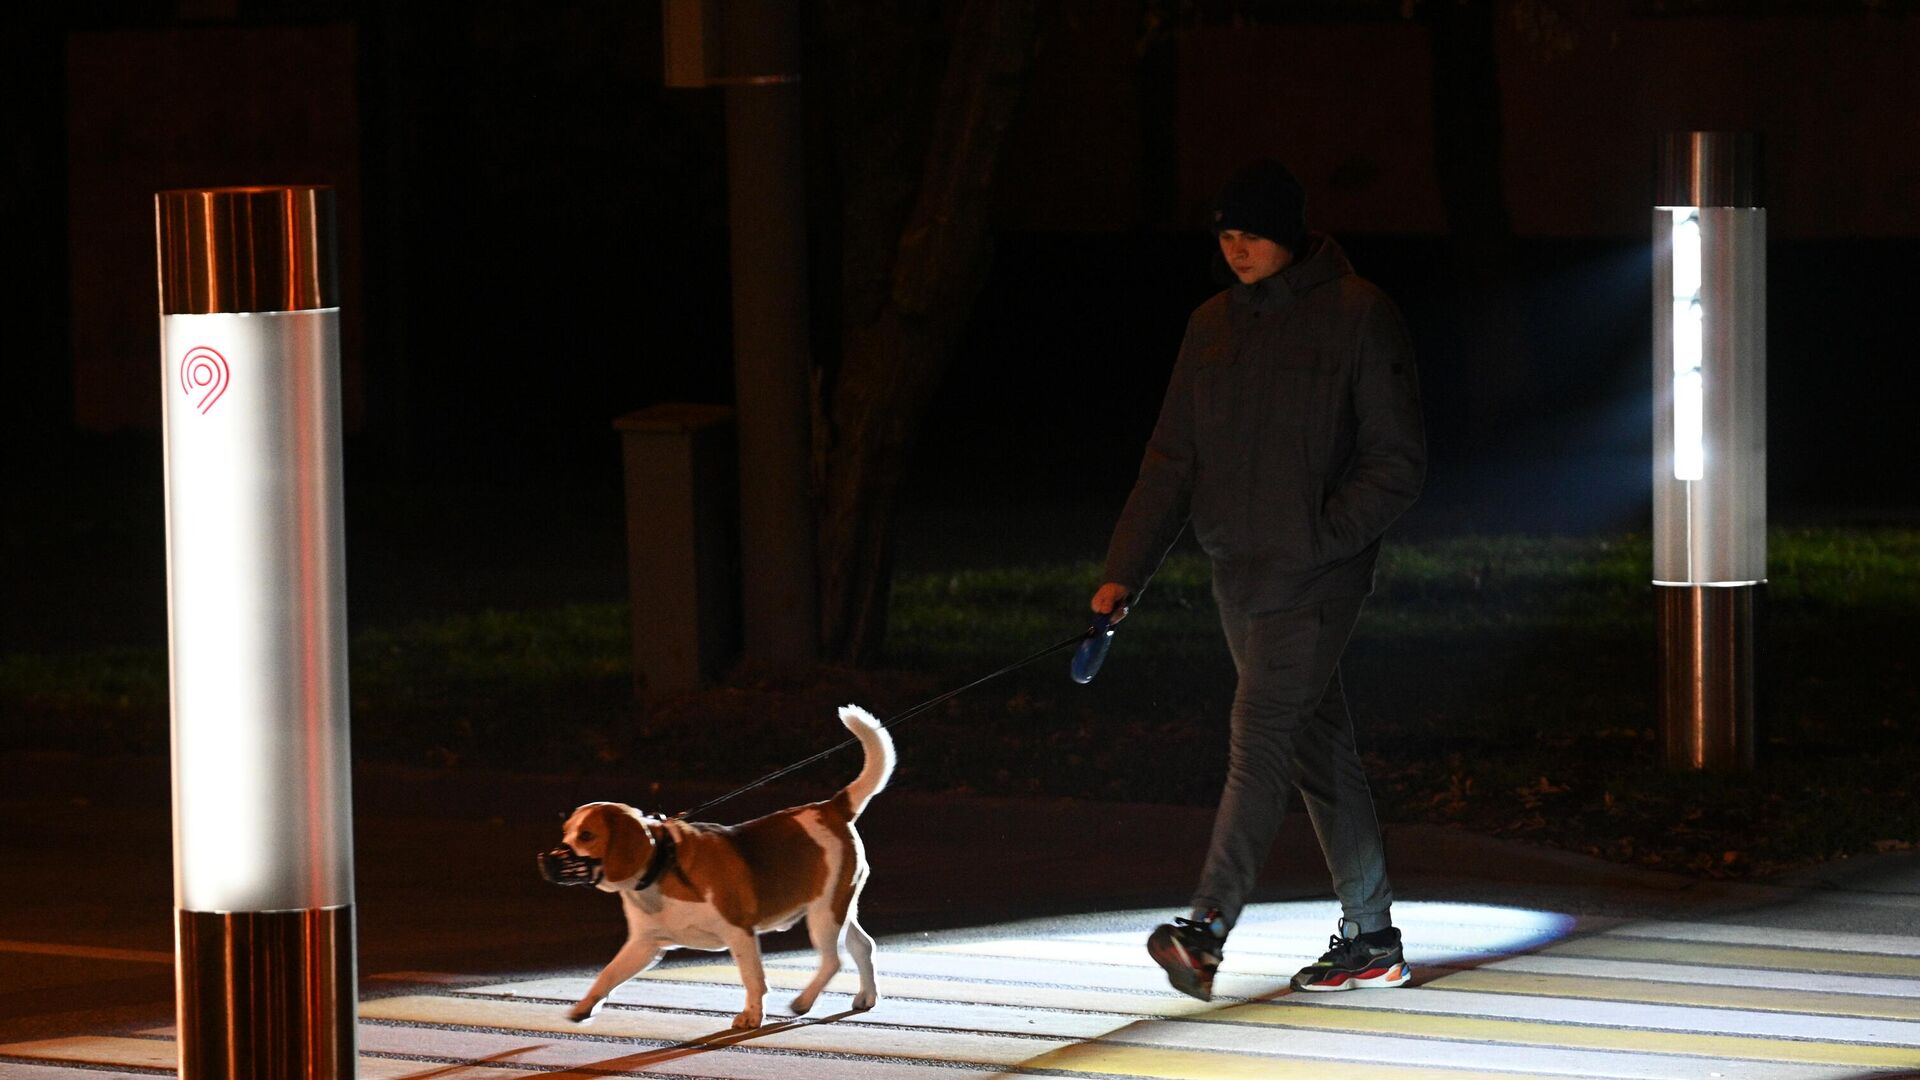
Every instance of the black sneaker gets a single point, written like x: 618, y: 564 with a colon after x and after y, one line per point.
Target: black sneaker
x: 1190, y: 953
x: 1365, y: 961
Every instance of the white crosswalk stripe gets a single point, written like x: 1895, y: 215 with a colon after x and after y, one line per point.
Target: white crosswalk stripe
x: 1500, y: 992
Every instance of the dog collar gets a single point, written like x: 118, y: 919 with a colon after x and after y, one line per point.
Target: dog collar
x: 663, y: 849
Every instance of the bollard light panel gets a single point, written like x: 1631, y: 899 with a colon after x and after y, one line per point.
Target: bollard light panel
x: 1689, y: 329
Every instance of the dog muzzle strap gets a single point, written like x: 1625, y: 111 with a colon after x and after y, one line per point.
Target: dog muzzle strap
x: 563, y: 866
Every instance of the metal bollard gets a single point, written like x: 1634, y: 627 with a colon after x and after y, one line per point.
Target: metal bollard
x: 256, y: 594
x: 1709, y: 443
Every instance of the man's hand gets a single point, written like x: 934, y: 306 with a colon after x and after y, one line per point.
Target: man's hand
x: 1111, y: 600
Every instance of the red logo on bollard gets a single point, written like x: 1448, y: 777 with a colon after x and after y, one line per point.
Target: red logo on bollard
x: 204, y: 371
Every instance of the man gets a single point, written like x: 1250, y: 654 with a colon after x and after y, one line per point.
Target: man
x: 1291, y: 438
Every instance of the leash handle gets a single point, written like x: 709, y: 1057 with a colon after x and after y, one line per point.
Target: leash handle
x: 899, y: 718
x: 1093, y: 649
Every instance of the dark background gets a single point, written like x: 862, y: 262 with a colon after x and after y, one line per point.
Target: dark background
x: 535, y: 243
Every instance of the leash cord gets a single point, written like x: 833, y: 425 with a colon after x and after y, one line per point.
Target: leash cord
x: 900, y: 718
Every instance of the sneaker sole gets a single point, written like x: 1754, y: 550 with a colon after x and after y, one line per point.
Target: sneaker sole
x: 1173, y: 959
x: 1382, y: 978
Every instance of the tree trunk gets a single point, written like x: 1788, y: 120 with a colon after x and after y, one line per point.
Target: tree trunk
x: 898, y: 338
x: 1494, y: 349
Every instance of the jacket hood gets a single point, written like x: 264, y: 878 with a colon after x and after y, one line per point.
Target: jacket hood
x: 1324, y: 261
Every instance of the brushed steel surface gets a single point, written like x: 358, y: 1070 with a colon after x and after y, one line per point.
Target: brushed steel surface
x: 1708, y: 168
x: 246, y: 249
x: 1705, y: 643
x: 266, y: 995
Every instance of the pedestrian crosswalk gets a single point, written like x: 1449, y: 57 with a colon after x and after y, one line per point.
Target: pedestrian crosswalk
x: 1499, y: 992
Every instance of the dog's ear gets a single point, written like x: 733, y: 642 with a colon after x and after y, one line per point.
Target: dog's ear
x: 628, y: 847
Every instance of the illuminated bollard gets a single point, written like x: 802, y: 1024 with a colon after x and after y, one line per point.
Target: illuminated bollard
x: 1709, y: 443
x: 262, y: 825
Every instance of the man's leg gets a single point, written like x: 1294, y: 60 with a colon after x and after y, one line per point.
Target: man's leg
x: 1286, y: 660
x: 1366, y: 952
x: 1334, y: 787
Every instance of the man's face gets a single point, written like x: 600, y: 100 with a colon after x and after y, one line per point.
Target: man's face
x: 1252, y: 258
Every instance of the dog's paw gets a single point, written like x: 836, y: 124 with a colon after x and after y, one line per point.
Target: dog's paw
x: 584, y: 1011
x: 748, y: 1018
x: 802, y: 1004
x: 864, y: 1000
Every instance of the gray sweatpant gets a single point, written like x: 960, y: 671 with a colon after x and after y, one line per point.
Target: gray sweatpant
x: 1290, y: 729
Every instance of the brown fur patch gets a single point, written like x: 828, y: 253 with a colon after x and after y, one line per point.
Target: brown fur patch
x: 698, y: 859
x: 626, y: 843
x: 761, y: 871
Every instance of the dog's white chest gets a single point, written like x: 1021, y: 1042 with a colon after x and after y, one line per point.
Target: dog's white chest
x: 690, y: 924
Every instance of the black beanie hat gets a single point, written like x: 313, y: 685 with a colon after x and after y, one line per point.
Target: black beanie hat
x: 1263, y: 198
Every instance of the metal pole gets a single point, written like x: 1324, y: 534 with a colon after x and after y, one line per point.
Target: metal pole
x: 262, y: 830
x: 766, y: 169
x: 1709, y: 443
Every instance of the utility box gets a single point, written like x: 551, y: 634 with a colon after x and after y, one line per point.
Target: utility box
x: 683, y: 562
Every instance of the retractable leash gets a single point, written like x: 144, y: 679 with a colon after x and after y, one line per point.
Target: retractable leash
x: 562, y: 866
x: 1093, y: 649
x: 1093, y: 643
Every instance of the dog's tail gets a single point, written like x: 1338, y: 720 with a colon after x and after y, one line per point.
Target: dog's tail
x: 879, y: 767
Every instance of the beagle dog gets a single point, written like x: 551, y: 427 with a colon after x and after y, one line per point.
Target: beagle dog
x: 705, y: 886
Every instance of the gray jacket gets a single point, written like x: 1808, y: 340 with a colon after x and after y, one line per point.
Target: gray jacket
x: 1291, y: 437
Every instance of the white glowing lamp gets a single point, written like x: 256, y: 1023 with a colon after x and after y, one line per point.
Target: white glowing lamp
x: 1689, y: 328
